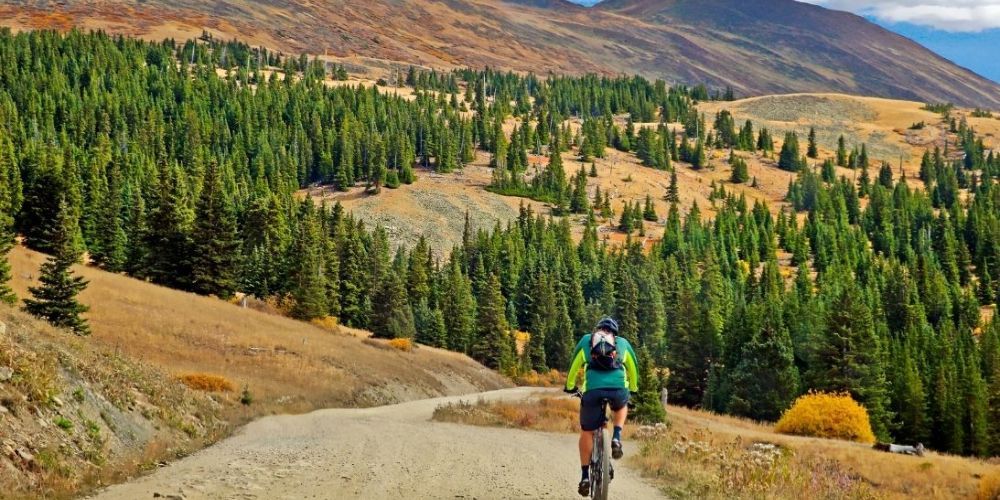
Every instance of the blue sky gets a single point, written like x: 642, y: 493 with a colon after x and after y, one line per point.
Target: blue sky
x: 978, y: 51
x: 965, y: 31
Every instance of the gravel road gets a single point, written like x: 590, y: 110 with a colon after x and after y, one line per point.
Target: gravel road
x: 388, y: 452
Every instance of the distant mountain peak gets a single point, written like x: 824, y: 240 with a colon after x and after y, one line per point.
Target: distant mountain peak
x: 755, y: 46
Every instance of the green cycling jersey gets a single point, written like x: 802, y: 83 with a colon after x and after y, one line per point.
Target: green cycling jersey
x: 622, y: 378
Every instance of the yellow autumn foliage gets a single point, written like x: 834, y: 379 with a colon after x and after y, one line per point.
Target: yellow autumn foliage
x: 826, y: 415
x: 405, y: 345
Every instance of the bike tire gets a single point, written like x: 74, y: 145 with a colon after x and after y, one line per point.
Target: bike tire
x: 602, y: 464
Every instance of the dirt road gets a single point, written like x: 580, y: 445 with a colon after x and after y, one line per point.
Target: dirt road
x: 389, y: 452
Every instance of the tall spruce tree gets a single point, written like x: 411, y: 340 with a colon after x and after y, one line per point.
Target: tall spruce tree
x: 813, y: 149
x: 215, y: 244
x: 55, y: 299
x: 494, y: 345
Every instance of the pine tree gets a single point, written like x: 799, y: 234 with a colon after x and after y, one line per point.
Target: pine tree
x: 308, y: 278
x: 648, y: 407
x: 673, y: 192
x: 740, y: 172
x: 55, y: 300
x: 7, y: 208
x: 649, y: 211
x: 841, y: 152
x: 766, y: 379
x: 7, y: 295
x: 578, y: 203
x: 215, y: 245
x: 848, y: 358
x: 813, y: 150
x: 393, y: 318
x: 789, y: 159
x: 167, y: 242
x: 493, y: 346
x: 993, y: 415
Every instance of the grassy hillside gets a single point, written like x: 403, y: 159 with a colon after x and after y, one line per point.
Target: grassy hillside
x: 757, y: 47
x: 102, y: 406
x: 434, y: 206
x: 703, y: 455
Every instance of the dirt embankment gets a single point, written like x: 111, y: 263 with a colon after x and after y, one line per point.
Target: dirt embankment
x: 79, y: 412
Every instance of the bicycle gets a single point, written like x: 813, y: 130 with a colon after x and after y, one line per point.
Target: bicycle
x: 601, y: 471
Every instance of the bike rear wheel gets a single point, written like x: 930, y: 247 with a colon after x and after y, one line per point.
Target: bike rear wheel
x: 600, y: 463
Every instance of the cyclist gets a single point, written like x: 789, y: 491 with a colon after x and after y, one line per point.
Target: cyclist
x: 610, y: 374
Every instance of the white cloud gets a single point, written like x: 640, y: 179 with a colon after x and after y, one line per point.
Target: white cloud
x: 953, y: 15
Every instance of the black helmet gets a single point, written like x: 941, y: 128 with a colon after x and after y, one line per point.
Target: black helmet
x: 607, y: 323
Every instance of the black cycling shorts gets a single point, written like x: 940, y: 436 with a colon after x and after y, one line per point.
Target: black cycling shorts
x: 591, y: 408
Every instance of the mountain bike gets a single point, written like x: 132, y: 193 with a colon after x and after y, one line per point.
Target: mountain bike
x: 601, y: 471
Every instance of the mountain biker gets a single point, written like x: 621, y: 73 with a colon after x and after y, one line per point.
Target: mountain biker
x: 610, y: 374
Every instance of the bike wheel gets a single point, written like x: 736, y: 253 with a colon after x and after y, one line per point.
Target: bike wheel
x: 601, y: 466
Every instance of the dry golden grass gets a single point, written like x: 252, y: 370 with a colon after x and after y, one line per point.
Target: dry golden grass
x: 551, y: 378
x: 989, y: 487
x: 207, y: 382
x: 702, y: 455
x: 290, y: 366
x: 835, y: 416
x: 549, y: 414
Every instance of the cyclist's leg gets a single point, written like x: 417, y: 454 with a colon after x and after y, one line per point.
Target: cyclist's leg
x: 586, y: 447
x: 591, y: 418
x: 619, y: 409
x: 618, y: 401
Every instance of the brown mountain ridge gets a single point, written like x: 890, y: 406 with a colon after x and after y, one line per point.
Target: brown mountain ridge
x: 756, y: 46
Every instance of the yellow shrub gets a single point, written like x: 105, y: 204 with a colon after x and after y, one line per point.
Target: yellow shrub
x: 989, y: 487
x: 207, y: 382
x: 825, y: 415
x: 327, y: 323
x: 551, y: 378
x: 405, y: 345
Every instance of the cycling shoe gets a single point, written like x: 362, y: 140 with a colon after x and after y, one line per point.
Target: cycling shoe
x: 616, y: 449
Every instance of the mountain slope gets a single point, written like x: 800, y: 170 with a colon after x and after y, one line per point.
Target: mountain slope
x: 77, y: 410
x: 756, y: 46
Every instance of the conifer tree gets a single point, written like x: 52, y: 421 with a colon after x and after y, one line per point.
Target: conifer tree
x: 648, y: 407
x: 789, y: 159
x: 493, y: 346
x: 578, y: 202
x: 309, y: 280
x: 740, y: 172
x: 848, y: 357
x: 813, y: 150
x: 7, y: 294
x: 673, y: 192
x: 649, y: 211
x: 392, y: 318
x: 766, y: 379
x: 55, y: 299
x: 841, y: 152
x: 167, y: 241
x: 215, y: 245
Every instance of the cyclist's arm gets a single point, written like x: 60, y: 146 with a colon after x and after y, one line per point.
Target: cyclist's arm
x: 631, y: 370
x: 574, y: 367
